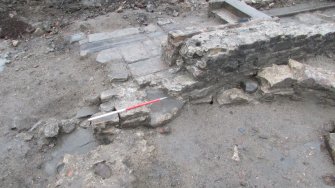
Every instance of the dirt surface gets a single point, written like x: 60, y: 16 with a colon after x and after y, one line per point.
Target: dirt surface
x: 279, y: 144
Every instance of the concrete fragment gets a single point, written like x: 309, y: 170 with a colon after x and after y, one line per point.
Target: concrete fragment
x: 232, y: 97
x: 51, y: 128
x: 87, y: 111
x: 68, y: 125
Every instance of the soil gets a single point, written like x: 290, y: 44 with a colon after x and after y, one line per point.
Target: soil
x: 280, y: 143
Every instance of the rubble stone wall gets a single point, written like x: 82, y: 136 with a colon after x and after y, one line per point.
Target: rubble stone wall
x: 238, y: 51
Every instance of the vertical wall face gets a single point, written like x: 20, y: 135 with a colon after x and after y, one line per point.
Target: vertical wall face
x: 219, y: 54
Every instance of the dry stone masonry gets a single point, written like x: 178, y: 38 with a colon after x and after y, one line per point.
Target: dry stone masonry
x: 205, y: 66
x: 222, y: 54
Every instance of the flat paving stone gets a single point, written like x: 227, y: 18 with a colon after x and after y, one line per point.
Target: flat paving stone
x: 115, y: 34
x: 117, y: 72
x: 134, y: 52
x: 109, y: 55
x: 153, y: 48
x: 147, y: 67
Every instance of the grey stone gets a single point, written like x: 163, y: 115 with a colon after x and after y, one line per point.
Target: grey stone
x: 232, y: 97
x: 146, y: 67
x: 107, y: 106
x: 135, y: 122
x: 75, y: 37
x: 109, y: 55
x: 68, y: 125
x: 102, y: 169
x: 87, y: 111
x: 283, y: 79
x: 111, y: 94
x: 133, y: 118
x: 165, y: 110
x: 330, y: 143
x: 106, y: 122
x: 153, y: 46
x: 92, y: 100
x: 134, y: 52
x: 249, y: 85
x: 180, y: 83
x: 3, y: 62
x: 154, y: 79
x: 113, y: 35
x: 25, y: 136
x: 205, y: 100
x: 276, y: 76
x: 117, y: 72
x: 51, y: 128
x: 199, y: 93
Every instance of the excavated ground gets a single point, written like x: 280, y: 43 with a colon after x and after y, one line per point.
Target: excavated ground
x: 280, y: 144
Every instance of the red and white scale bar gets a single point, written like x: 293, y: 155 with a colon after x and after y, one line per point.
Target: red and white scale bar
x: 126, y: 109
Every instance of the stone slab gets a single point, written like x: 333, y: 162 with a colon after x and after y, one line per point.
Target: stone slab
x: 109, y: 55
x: 117, y: 72
x: 242, y: 7
x: 115, y: 34
x: 134, y: 52
x: 152, y: 47
x: 299, y: 8
x: 147, y: 67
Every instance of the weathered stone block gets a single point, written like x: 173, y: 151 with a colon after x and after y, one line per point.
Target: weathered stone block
x: 117, y: 72
x: 111, y: 94
x: 232, y: 97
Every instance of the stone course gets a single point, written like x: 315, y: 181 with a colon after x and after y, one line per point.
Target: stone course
x: 217, y: 55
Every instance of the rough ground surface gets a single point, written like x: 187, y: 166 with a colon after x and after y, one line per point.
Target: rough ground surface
x: 44, y: 77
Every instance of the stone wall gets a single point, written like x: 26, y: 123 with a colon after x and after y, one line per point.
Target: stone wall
x: 233, y: 51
